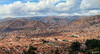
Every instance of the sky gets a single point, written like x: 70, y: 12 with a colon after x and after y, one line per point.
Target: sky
x: 29, y: 8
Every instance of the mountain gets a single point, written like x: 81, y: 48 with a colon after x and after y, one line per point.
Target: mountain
x: 54, y: 20
x: 8, y: 18
x: 21, y: 24
x: 87, y: 21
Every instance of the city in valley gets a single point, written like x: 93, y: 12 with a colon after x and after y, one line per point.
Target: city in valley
x: 49, y: 27
x: 18, y: 35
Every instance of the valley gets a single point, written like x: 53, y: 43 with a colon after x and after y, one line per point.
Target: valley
x: 47, y: 34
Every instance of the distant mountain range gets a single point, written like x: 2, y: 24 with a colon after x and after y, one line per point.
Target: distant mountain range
x: 12, y: 24
x: 52, y: 20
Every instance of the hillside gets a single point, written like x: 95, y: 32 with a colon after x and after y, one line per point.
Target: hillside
x: 55, y: 20
x: 52, y: 20
x: 21, y: 24
x: 87, y: 21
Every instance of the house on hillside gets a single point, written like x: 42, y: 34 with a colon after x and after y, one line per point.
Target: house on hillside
x: 75, y: 36
x: 60, y: 40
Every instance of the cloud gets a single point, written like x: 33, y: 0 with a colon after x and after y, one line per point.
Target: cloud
x: 90, y: 4
x: 48, y: 7
x: 30, y: 8
x: 68, y: 5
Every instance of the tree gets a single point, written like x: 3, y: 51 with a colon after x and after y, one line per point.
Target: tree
x: 57, y: 52
x: 24, y: 52
x: 75, y: 46
x: 31, y: 50
x: 93, y: 43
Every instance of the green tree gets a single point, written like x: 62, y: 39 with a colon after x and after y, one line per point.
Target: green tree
x: 75, y: 46
x: 57, y: 51
x: 31, y: 50
x: 93, y: 43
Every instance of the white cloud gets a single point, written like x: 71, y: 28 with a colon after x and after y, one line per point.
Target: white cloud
x: 73, y: 14
x: 93, y: 12
x: 48, y: 7
x: 69, y: 5
x: 30, y: 8
x: 90, y: 4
